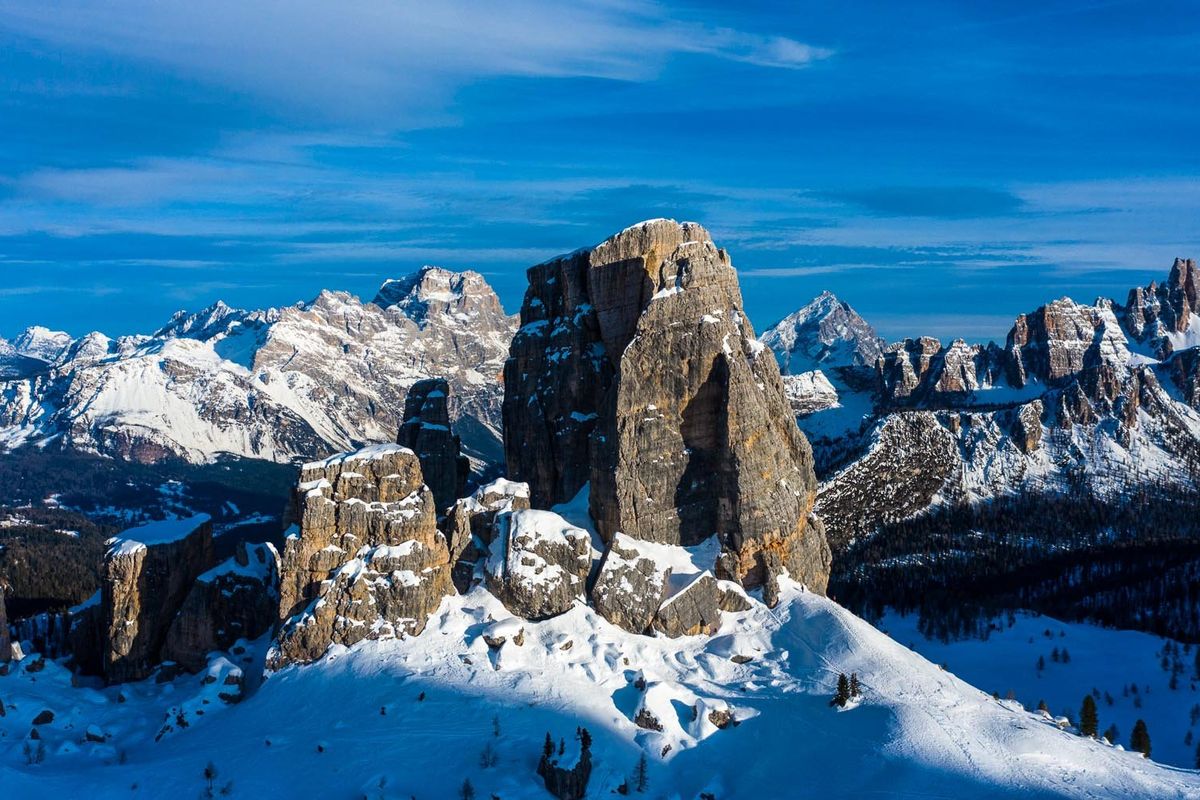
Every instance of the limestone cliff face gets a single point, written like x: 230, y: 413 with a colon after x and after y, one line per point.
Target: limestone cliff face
x: 636, y: 369
x: 363, y: 557
x: 237, y: 599
x: 426, y: 431
x: 146, y: 576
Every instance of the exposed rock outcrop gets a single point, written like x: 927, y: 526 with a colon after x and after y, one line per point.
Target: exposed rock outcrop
x: 537, y: 563
x: 695, y: 609
x: 469, y: 526
x: 363, y: 557
x: 630, y: 586
x: 1162, y: 316
x: 567, y: 782
x: 636, y: 369
x: 147, y: 573
x: 237, y: 599
x: 426, y: 431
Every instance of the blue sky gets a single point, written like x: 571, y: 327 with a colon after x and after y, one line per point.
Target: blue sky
x: 942, y: 166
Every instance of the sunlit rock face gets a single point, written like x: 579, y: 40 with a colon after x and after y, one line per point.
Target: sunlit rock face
x: 635, y: 369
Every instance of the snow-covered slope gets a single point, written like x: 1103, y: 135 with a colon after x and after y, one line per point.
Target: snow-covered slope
x: 275, y: 384
x: 415, y: 717
x: 1038, y: 658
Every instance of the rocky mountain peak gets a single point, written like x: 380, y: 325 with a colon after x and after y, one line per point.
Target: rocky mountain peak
x: 434, y: 294
x: 636, y: 371
x: 42, y: 343
x: 825, y: 333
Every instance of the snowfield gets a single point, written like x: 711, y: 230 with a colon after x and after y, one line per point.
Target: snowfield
x: 411, y: 718
x: 1100, y: 659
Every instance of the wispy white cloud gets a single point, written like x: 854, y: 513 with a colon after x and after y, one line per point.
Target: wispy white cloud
x: 396, y: 64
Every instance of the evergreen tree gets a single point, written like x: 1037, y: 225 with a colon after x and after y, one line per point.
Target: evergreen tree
x: 1043, y: 707
x: 1198, y: 756
x: 1111, y: 734
x: 548, y: 747
x: 855, y: 689
x: 1041, y: 663
x: 1139, y: 740
x: 1089, y: 722
x: 641, y: 778
x: 467, y: 792
x: 843, y: 691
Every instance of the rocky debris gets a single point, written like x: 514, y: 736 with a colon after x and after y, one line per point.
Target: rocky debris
x: 630, y: 585
x: 646, y: 720
x: 722, y: 718
x: 5, y: 641
x: 426, y: 431
x: 636, y: 370
x: 693, y: 610
x: 44, y: 717
x: 469, y: 525
x: 537, y: 563
x: 363, y: 557
x: 274, y: 384
x: 146, y: 575
x: 95, y: 734
x: 237, y: 599
x: 826, y: 332
x: 809, y: 392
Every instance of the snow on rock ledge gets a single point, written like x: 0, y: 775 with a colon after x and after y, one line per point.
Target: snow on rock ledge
x: 363, y: 557
x: 538, y: 563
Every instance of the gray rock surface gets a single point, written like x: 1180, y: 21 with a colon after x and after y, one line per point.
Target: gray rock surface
x: 636, y: 369
x: 630, y: 585
x: 694, y: 610
x: 237, y: 599
x: 537, y: 563
x: 469, y: 526
x: 426, y: 431
x: 363, y: 557
x: 146, y: 575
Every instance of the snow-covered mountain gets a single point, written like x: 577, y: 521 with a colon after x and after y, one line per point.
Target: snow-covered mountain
x: 742, y: 714
x: 825, y: 333
x: 274, y: 384
x: 1101, y: 395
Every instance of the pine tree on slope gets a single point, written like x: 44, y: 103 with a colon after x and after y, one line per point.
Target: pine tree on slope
x: 1089, y: 723
x: 1139, y: 740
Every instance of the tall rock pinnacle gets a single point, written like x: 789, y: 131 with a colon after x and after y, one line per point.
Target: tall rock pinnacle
x: 635, y: 369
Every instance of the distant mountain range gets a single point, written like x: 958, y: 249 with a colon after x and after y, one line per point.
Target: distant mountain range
x: 276, y: 384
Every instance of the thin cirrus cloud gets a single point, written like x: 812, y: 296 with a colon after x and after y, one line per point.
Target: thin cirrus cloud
x: 393, y: 62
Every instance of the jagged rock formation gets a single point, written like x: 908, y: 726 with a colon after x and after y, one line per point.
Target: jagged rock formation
x: 426, y: 431
x: 636, y: 370
x: 1096, y: 397
x: 1164, y: 317
x: 363, y: 557
x: 146, y: 576
x: 826, y: 332
x: 470, y: 525
x: 322, y: 376
x: 563, y: 782
x: 537, y: 563
x: 237, y: 599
